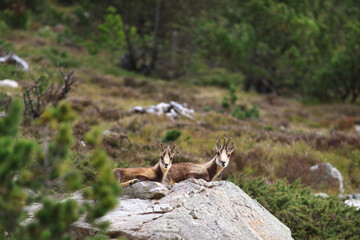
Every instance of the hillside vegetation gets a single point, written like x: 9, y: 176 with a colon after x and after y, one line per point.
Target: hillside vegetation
x: 281, y: 78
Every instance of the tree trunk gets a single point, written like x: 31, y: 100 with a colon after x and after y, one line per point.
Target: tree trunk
x: 132, y: 62
x: 154, y: 43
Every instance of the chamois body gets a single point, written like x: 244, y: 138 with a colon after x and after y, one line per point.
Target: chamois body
x: 207, y: 171
x: 157, y: 173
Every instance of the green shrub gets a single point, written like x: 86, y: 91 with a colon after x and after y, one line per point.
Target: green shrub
x: 61, y: 58
x: 3, y: 27
x: 225, y: 103
x: 8, y: 71
x: 17, y: 18
x: 233, y: 96
x: 219, y: 77
x: 172, y: 135
x: 269, y: 128
x: 43, y: 168
x: 307, y: 216
x: 248, y: 113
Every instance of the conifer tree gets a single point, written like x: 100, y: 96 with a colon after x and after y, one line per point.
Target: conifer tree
x: 28, y: 166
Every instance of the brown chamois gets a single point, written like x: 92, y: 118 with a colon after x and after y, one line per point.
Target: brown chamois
x: 157, y: 173
x: 208, y: 171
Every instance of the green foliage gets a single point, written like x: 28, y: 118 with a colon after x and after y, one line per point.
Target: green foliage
x: 225, y: 103
x: 308, y: 216
x: 3, y: 27
x: 43, y: 169
x: 14, y: 154
x: 17, y: 17
x: 9, y: 124
x: 8, y: 71
x: 105, y: 187
x: 241, y: 114
x: 61, y: 58
x: 218, y: 77
x: 293, y: 46
x: 111, y: 34
x: 172, y: 135
x: 233, y: 96
x: 206, y: 109
x: 269, y: 128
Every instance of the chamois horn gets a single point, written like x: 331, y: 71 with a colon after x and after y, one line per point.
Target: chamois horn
x: 161, y: 147
x: 228, y: 142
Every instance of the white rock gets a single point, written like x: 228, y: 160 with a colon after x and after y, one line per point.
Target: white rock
x: 321, y: 194
x: 138, y: 109
x: 16, y: 59
x: 353, y: 203
x: 9, y: 83
x: 357, y: 128
x: 172, y: 110
x: 82, y: 143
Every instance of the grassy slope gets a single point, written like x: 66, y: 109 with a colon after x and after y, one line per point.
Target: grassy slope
x: 102, y: 95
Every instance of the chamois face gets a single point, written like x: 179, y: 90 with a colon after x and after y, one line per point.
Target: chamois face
x: 223, y: 153
x: 166, y: 157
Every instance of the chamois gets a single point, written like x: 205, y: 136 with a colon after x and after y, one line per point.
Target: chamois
x: 208, y: 171
x: 157, y: 173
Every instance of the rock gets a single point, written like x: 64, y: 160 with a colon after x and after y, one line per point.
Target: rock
x: 327, y: 173
x: 16, y: 60
x: 321, y: 194
x: 172, y: 110
x: 138, y: 109
x: 9, y: 83
x: 146, y: 190
x: 356, y: 196
x: 353, y: 203
x: 192, y: 209
x: 345, y: 196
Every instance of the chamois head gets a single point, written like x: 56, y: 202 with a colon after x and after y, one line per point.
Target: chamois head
x: 166, y: 157
x: 223, y: 153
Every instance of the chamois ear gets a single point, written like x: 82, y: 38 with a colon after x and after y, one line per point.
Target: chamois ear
x: 218, y: 144
x: 231, y: 148
x: 161, y: 148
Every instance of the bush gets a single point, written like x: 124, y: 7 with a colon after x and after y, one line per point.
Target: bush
x: 8, y: 71
x: 172, y: 135
x: 220, y: 77
x: 29, y: 166
x: 247, y: 113
x: 308, y: 216
x: 225, y: 103
x: 42, y: 93
x: 18, y: 17
x: 61, y: 58
x: 233, y: 96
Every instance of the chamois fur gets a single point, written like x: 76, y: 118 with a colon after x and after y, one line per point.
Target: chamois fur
x: 157, y: 173
x: 208, y: 171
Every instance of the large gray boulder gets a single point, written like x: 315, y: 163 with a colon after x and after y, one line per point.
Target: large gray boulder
x: 192, y: 209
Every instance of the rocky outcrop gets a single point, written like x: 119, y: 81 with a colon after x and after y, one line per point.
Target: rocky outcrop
x: 192, y: 209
